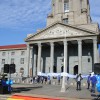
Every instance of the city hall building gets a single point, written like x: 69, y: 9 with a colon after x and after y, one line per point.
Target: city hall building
x: 70, y: 40
x: 68, y: 43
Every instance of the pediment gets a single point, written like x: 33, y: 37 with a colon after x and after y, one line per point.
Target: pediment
x: 59, y: 31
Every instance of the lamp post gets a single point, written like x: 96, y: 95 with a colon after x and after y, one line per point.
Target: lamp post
x: 63, y: 88
x: 63, y: 80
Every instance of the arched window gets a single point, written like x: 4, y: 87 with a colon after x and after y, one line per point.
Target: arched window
x: 22, y: 70
x: 66, y: 5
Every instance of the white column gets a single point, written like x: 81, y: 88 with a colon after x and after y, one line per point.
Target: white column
x: 52, y: 56
x: 95, y: 50
x: 80, y: 56
x: 39, y: 58
x: 63, y: 88
x: 28, y: 59
x: 98, y: 54
x: 65, y: 56
x: 34, y: 61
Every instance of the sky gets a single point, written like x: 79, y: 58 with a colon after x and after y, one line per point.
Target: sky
x: 21, y: 17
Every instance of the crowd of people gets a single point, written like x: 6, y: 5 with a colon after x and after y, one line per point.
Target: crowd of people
x: 45, y: 79
x: 91, y: 81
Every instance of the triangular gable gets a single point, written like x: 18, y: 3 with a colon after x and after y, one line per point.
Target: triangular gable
x: 59, y: 31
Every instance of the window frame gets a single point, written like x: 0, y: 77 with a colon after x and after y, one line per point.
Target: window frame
x: 66, y: 6
x: 12, y: 53
x: 3, y: 61
x: 3, y: 53
x: 22, y: 60
x: 12, y: 60
x: 22, y: 52
x: 65, y: 21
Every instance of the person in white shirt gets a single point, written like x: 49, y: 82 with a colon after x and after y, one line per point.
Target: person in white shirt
x: 78, y: 80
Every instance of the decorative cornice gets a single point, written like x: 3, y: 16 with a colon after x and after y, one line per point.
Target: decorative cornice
x: 58, y: 23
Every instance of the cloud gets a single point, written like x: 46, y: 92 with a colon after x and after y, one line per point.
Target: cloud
x: 23, y: 13
x: 94, y: 9
x: 32, y: 13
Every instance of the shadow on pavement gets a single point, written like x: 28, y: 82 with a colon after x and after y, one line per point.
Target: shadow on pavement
x: 96, y: 97
x: 22, y: 89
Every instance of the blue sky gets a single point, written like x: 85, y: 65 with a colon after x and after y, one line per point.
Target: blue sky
x: 21, y: 17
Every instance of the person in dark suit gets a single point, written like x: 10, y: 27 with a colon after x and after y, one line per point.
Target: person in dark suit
x: 88, y: 81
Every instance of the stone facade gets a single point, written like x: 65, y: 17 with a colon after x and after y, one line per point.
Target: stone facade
x: 69, y: 42
x: 10, y: 54
x: 76, y: 13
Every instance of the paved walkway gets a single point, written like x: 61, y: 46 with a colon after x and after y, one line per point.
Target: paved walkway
x: 49, y: 91
x: 52, y: 91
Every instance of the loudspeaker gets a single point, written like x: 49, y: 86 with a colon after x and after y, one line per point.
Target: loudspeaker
x: 9, y: 68
x: 97, y: 68
x: 6, y: 68
x: 12, y: 68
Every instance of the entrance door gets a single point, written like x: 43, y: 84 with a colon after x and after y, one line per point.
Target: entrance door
x: 62, y: 68
x: 54, y: 69
x: 75, y: 69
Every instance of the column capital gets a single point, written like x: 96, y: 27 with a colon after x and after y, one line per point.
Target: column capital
x: 65, y: 42
x: 39, y: 44
x: 95, y: 41
x: 79, y: 42
x: 52, y: 43
x: 28, y: 45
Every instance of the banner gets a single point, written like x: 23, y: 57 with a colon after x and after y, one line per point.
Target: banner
x: 60, y: 74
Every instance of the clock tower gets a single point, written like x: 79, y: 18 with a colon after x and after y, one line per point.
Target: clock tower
x: 73, y: 12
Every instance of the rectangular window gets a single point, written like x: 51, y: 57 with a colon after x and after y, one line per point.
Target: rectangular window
x: 12, y: 60
x: 22, y: 52
x: 22, y: 61
x: 12, y: 53
x: 66, y: 6
x: 65, y: 21
x: 3, y: 53
x: 3, y: 61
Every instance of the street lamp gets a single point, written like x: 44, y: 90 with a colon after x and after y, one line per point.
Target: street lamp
x: 65, y: 65
x: 63, y: 87
x: 63, y: 80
